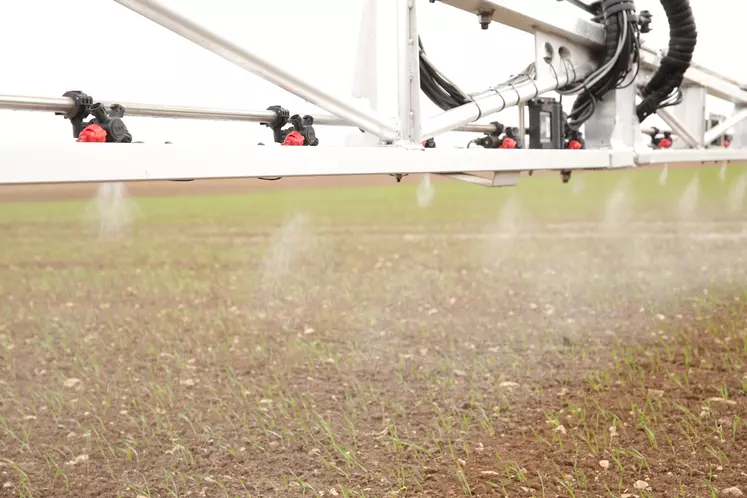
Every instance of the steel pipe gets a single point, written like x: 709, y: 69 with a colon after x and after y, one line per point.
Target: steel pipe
x: 677, y: 126
x: 64, y: 104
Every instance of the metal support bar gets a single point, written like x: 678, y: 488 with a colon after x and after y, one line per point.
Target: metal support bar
x: 691, y: 113
x: 94, y: 162
x: 64, y: 104
x: 366, y: 119
x: 614, y: 123
x: 523, y: 125
x: 680, y: 130
x: 715, y: 85
x: 532, y: 16
x: 718, y: 131
x: 672, y: 156
x: 409, y: 72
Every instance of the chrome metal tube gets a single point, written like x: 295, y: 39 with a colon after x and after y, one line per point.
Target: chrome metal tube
x: 64, y: 104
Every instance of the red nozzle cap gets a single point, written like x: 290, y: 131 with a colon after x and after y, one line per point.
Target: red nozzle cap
x: 92, y: 133
x: 665, y: 143
x: 293, y: 138
x: 726, y: 143
x: 508, y: 143
x: 575, y: 145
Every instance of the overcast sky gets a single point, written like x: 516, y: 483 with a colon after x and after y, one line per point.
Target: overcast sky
x: 98, y: 46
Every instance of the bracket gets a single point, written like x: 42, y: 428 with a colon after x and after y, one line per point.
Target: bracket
x: 499, y: 179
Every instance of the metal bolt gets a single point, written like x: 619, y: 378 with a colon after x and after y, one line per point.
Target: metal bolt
x: 485, y: 19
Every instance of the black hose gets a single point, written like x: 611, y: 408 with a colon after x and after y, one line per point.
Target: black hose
x: 621, y: 52
x: 664, y: 88
x: 436, y: 87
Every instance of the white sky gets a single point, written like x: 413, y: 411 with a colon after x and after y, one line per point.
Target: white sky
x: 104, y: 49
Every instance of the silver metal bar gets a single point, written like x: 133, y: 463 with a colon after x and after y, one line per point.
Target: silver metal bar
x: 691, y: 114
x: 366, y: 119
x: 711, y: 72
x: 532, y: 16
x: 64, y: 104
x: 718, y: 131
x: 715, y: 85
x: 680, y: 129
x: 523, y: 125
x: 672, y: 156
x: 93, y: 162
x: 651, y: 51
x: 496, y: 100
x: 409, y: 71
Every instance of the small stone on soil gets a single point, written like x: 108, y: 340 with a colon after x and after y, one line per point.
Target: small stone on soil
x: 733, y: 491
x: 78, y: 459
x: 72, y: 382
x: 722, y: 400
x: 640, y: 485
x: 605, y: 464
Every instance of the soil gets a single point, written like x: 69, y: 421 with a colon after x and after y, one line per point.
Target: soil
x: 356, y: 362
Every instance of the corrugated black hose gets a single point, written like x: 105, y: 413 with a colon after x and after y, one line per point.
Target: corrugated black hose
x: 664, y: 88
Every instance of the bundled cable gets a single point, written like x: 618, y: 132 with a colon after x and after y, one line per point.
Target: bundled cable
x: 447, y: 95
x: 665, y: 87
x: 437, y: 87
x: 621, y: 58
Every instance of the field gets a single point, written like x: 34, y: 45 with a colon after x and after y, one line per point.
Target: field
x: 576, y: 340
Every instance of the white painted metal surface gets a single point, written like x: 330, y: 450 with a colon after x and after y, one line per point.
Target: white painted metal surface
x: 534, y: 16
x: 94, y: 162
x: 704, y: 156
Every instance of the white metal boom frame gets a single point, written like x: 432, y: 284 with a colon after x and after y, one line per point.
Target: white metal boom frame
x: 562, y: 39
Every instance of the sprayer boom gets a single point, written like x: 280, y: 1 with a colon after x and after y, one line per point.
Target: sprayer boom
x: 617, y: 83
